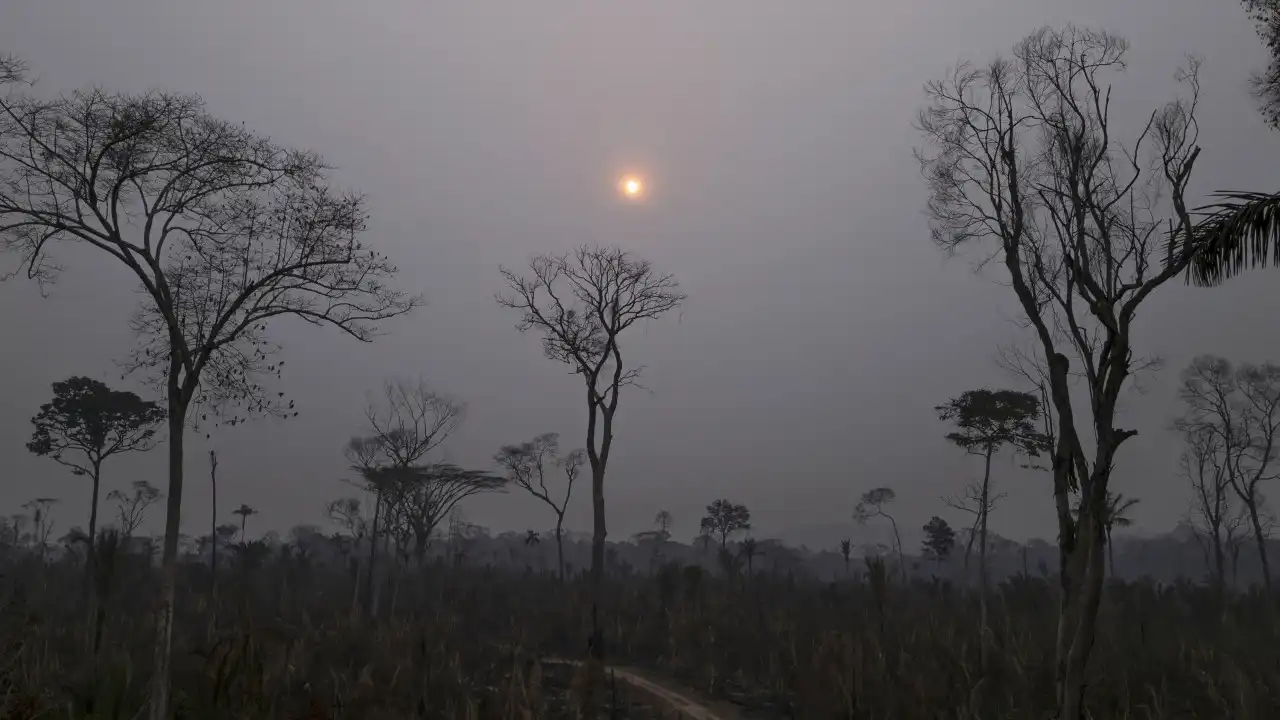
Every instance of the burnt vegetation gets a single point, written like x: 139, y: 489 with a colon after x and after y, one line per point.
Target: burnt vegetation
x: 395, y: 605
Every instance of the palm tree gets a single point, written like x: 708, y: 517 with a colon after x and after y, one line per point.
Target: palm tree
x: 1240, y: 232
x: 244, y: 511
x: 1117, y: 505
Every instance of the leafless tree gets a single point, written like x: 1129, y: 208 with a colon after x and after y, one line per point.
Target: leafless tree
x: 1201, y: 463
x: 409, y: 421
x: 582, y: 303
x: 41, y: 510
x: 528, y: 464
x: 1022, y: 158
x: 971, y: 501
x: 873, y: 504
x: 1239, y: 408
x: 132, y: 509
x: 224, y: 231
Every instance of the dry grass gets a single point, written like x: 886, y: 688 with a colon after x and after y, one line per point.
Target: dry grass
x: 468, y: 643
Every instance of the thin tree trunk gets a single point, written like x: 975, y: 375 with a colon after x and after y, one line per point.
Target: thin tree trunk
x: 91, y: 561
x: 159, y: 705
x: 213, y: 534
x: 599, y: 532
x: 1261, y: 540
x: 371, y: 571
x: 560, y: 544
x: 983, y: 582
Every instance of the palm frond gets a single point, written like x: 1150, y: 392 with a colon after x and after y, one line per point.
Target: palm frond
x: 1240, y: 232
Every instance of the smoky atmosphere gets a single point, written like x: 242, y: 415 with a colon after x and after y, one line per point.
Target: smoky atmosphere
x: 660, y: 359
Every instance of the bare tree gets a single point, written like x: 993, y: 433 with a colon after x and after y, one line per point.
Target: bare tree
x: 41, y: 510
x: 1239, y: 409
x: 977, y: 502
x: 1023, y: 154
x: 224, y: 231
x: 873, y: 504
x: 132, y: 509
x: 582, y: 303
x: 528, y: 464
x: 409, y: 421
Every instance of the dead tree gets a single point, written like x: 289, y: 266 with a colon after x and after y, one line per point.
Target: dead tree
x: 582, y: 303
x: 406, y: 423
x: 1025, y: 165
x: 527, y: 466
x: 224, y: 231
x: 873, y: 504
x: 1239, y: 408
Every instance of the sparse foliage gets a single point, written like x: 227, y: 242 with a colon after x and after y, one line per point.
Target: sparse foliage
x: 581, y: 303
x: 873, y: 504
x: 131, y: 509
x: 1026, y: 166
x: 527, y: 466
x: 225, y: 233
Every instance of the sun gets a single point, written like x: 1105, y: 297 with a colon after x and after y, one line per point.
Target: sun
x: 631, y: 187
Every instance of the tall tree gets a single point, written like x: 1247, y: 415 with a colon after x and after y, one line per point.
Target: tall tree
x: 244, y: 511
x: 406, y: 423
x: 939, y: 539
x: 224, y: 231
x: 88, y: 422
x: 986, y: 422
x: 725, y: 518
x: 1202, y: 464
x: 1240, y: 407
x: 528, y: 464
x: 582, y: 303
x: 874, y: 504
x: 1022, y: 157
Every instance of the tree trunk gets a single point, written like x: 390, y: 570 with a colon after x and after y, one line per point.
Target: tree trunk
x: 159, y: 705
x: 91, y: 560
x: 1260, y: 539
x: 1077, y: 626
x: 983, y: 509
x: 370, y: 577
x: 599, y: 532
x: 213, y: 535
x: 560, y: 544
x: 897, y: 540
x: 1111, y: 555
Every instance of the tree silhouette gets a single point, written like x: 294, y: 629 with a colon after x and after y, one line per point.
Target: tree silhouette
x: 725, y: 518
x: 244, y: 511
x: 1240, y: 406
x: 846, y: 549
x: 987, y: 421
x: 132, y: 509
x: 527, y: 465
x: 939, y: 539
x: 872, y: 504
x: 1025, y: 166
x: 225, y: 233
x: 88, y: 422
x: 582, y: 303
x: 750, y: 550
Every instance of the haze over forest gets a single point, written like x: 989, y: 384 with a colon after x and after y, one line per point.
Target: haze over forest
x: 822, y: 325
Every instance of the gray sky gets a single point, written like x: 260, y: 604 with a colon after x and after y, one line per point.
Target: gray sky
x: 822, y: 325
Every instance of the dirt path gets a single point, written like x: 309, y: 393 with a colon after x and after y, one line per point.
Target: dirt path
x: 679, y: 701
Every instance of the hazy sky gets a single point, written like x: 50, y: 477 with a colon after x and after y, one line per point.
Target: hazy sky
x: 822, y: 325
